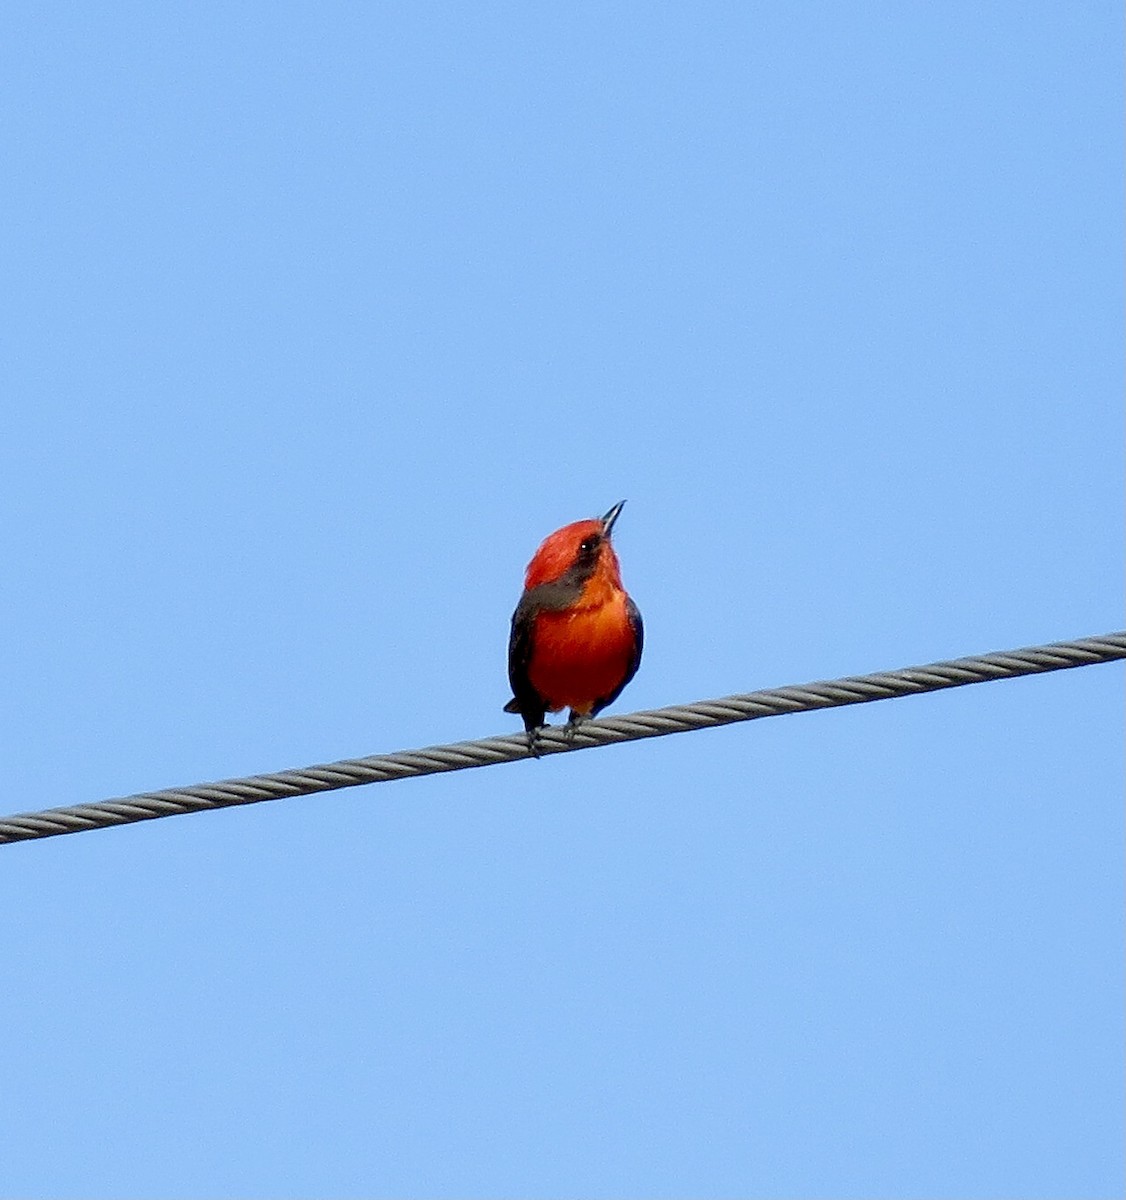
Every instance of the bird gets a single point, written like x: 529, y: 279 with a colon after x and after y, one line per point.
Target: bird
x: 576, y: 635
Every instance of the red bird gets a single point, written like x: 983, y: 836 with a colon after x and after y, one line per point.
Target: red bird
x: 576, y: 636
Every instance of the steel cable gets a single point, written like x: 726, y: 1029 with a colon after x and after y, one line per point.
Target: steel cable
x: 604, y: 731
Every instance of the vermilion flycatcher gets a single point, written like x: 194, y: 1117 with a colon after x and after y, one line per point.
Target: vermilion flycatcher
x: 576, y: 636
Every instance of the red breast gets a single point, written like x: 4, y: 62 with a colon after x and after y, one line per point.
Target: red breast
x: 583, y: 653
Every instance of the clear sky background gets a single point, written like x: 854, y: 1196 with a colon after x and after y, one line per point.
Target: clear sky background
x: 316, y: 319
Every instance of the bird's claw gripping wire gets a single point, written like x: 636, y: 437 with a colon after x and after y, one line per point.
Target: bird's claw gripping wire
x: 535, y: 736
x: 535, y: 741
x: 573, y: 723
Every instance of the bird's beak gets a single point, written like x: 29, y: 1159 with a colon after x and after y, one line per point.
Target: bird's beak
x: 609, y: 519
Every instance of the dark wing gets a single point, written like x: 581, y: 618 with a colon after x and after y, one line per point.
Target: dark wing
x: 638, y: 628
x: 525, y: 699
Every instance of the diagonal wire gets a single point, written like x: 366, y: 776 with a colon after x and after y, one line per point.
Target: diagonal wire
x: 657, y: 722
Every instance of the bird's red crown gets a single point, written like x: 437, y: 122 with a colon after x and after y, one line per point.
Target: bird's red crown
x: 561, y: 549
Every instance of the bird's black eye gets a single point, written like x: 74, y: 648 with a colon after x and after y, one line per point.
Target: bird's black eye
x: 590, y: 544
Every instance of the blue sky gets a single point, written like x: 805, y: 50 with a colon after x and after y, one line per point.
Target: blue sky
x: 316, y: 320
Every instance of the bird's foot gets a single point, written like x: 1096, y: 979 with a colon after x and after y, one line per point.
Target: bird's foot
x: 535, y: 741
x: 573, y: 723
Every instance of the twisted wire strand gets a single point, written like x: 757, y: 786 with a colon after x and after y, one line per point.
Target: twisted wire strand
x: 381, y: 768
